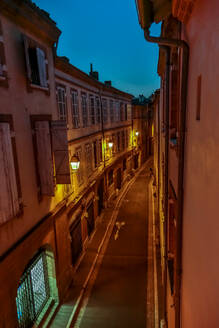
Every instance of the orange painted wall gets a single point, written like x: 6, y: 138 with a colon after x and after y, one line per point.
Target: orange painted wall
x: 200, y: 283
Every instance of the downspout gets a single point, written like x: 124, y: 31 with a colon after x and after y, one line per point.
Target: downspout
x: 184, y: 79
x: 166, y: 169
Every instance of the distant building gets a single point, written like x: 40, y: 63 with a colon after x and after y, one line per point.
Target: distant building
x: 51, y: 115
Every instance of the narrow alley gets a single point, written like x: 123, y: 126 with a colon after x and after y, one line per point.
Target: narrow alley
x: 120, y: 290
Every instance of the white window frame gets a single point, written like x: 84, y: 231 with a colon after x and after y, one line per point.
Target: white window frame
x: 62, y: 109
x: 75, y: 109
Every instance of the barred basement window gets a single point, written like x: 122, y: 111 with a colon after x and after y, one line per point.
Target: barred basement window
x: 36, y: 290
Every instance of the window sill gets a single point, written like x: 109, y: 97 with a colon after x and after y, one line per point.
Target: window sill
x: 35, y: 86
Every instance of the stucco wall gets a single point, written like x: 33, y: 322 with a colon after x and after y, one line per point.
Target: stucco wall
x: 200, y: 284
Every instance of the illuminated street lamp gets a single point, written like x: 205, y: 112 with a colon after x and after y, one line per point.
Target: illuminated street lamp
x: 136, y: 133
x: 75, y: 163
x: 110, y: 144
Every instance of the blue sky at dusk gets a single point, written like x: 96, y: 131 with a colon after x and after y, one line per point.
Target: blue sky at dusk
x: 107, y: 34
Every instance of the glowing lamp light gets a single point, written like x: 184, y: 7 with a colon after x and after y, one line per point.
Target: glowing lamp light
x: 110, y: 144
x: 75, y: 163
x: 136, y: 133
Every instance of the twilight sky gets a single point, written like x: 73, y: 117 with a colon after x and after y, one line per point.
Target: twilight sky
x: 107, y: 34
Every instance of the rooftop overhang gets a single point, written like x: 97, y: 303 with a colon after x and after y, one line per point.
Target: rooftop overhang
x: 152, y: 11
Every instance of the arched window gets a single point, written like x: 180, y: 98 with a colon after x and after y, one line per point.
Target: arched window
x: 37, y: 289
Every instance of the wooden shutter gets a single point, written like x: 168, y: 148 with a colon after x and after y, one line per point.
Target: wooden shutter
x: 26, y: 48
x: 9, y: 202
x: 41, y: 67
x: 60, y: 149
x: 44, y: 157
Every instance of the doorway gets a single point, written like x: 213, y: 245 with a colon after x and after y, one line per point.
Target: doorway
x: 76, y: 239
x: 90, y: 218
x: 119, y: 179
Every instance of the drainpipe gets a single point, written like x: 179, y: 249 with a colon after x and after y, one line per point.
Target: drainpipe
x: 184, y: 78
x: 166, y: 169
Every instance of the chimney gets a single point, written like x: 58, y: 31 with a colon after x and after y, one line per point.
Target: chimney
x: 108, y: 83
x: 93, y: 74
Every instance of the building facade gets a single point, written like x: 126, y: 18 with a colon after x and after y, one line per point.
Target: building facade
x: 186, y: 157
x: 50, y: 113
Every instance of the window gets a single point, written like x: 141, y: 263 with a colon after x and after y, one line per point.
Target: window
x: 61, y: 100
x: 97, y: 109
x: 88, y: 153
x: 110, y: 177
x: 9, y: 192
x: 3, y: 68
x: 100, y: 151
x: 95, y: 153
x: 114, y: 143
x: 125, y: 113
x: 84, y: 108
x: 121, y: 111
x: 75, y: 109
x: 92, y: 110
x: 78, y: 153
x: 123, y: 140
x: 111, y: 111
x: 124, y: 164
x: 105, y: 114
x: 118, y: 141
x: 126, y: 139
x: 117, y: 111
x: 37, y: 288
x: 36, y: 63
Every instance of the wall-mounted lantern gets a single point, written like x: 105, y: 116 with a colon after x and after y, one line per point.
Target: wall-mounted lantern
x: 75, y: 163
x: 110, y: 144
x: 136, y: 133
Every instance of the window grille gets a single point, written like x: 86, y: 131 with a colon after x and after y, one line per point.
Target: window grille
x: 61, y: 103
x: 33, y: 292
x: 75, y: 111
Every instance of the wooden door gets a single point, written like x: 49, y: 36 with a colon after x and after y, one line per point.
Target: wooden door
x: 90, y: 219
x: 76, y: 239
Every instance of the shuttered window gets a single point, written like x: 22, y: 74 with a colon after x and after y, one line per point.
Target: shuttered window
x: 61, y: 99
x: 92, y: 110
x: 36, y: 63
x: 75, y: 109
x: 44, y: 157
x: 9, y: 201
x: 60, y: 151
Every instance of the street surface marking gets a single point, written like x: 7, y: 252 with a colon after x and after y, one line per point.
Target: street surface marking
x: 118, y: 225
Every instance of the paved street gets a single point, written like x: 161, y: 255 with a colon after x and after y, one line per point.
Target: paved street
x: 120, y: 290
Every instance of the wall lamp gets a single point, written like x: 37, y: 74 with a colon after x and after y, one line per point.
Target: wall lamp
x: 75, y: 163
